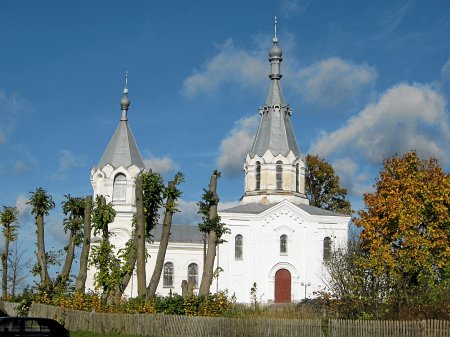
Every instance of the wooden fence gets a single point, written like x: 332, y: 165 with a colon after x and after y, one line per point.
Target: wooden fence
x: 188, y: 326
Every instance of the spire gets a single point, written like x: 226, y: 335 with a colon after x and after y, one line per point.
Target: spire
x: 122, y: 149
x: 125, y: 102
x: 275, y: 131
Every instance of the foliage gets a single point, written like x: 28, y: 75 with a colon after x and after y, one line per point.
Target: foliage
x: 41, y: 202
x: 323, y: 188
x: 102, y: 215
x: 208, y: 224
x: 406, y: 229
x: 154, y: 189
x: 73, y: 208
x: 8, y: 219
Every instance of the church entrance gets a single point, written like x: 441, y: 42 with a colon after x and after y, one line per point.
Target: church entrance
x: 283, y: 286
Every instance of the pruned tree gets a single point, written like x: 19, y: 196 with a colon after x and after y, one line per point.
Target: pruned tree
x: 103, y: 256
x: 8, y: 220
x: 214, y: 229
x: 171, y: 194
x: 41, y: 203
x: 84, y: 256
x: 73, y: 208
x: 323, y: 188
x: 406, y: 226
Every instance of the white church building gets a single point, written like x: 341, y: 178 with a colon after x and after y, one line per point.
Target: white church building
x: 276, y: 239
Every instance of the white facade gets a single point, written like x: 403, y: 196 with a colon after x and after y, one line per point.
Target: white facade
x: 276, y: 240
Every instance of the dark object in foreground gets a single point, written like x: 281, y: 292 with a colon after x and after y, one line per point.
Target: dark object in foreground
x: 31, y: 327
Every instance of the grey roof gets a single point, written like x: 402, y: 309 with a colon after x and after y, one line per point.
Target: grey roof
x: 257, y: 208
x: 122, y: 149
x: 275, y: 131
x: 180, y: 233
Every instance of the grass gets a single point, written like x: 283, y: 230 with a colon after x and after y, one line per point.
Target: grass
x: 91, y: 334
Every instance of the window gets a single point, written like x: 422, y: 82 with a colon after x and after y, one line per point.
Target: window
x: 193, y: 274
x: 120, y: 188
x: 258, y: 175
x: 168, y: 275
x: 283, y: 244
x: 279, y: 175
x: 326, y: 248
x: 297, y: 177
x: 238, y: 247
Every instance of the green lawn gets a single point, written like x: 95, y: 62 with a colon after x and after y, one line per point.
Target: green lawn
x: 91, y: 334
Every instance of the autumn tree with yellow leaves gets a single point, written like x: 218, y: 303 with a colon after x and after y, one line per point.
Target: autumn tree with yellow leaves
x: 406, y: 231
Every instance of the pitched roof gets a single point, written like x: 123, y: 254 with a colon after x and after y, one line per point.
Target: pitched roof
x: 257, y: 208
x: 122, y: 149
x: 180, y: 233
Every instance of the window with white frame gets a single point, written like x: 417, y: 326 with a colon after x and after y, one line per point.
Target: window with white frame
x: 193, y: 274
x: 326, y: 248
x: 279, y: 175
x: 120, y: 189
x: 258, y: 176
x: 283, y: 244
x: 168, y: 275
x: 238, y: 245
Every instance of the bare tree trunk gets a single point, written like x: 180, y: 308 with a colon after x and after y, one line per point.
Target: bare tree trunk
x: 87, y: 229
x: 5, y: 269
x: 41, y: 254
x: 165, y: 235
x: 140, y: 238
x: 208, y: 268
x: 65, y: 270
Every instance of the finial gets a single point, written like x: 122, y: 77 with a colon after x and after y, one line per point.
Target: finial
x: 125, y: 91
x: 275, y: 27
x: 125, y: 102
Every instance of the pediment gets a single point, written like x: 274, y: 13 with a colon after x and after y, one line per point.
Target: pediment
x: 282, y: 210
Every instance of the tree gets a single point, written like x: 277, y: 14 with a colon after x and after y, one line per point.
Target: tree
x: 84, y: 256
x: 41, y: 203
x: 406, y: 227
x: 212, y: 226
x: 18, y: 266
x: 73, y: 208
x: 171, y: 193
x: 323, y: 188
x: 8, y: 220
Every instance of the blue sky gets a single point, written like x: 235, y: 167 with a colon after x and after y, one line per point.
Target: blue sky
x: 365, y: 79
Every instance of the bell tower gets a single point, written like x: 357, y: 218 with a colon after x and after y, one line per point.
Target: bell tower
x: 274, y: 168
x: 115, y: 175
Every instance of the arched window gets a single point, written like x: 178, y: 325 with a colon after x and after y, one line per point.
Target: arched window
x: 168, y: 275
x: 193, y: 274
x: 258, y: 176
x: 238, y: 247
x: 120, y: 189
x: 297, y: 178
x: 279, y: 175
x: 283, y: 244
x: 326, y: 248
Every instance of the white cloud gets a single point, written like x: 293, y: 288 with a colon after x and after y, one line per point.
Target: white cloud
x: 236, y: 145
x: 230, y: 64
x: 160, y: 165
x: 406, y: 117
x: 23, y: 208
x: 445, y: 72
x: 67, y: 160
x: 188, y: 213
x: 333, y: 81
x: 10, y: 107
x: 290, y: 8
x: 352, y: 176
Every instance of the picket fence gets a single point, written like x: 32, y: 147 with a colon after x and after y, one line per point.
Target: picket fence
x: 187, y: 326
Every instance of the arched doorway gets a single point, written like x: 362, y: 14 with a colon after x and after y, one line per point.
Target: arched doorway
x: 283, y: 286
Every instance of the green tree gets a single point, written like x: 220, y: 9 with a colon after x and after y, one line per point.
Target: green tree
x: 8, y: 219
x: 84, y: 256
x: 214, y: 229
x: 406, y: 227
x: 41, y: 203
x: 171, y: 194
x: 323, y: 188
x: 73, y: 208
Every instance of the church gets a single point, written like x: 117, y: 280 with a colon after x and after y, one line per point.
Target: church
x: 276, y: 243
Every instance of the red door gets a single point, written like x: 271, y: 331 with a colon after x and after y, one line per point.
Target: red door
x: 283, y: 286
